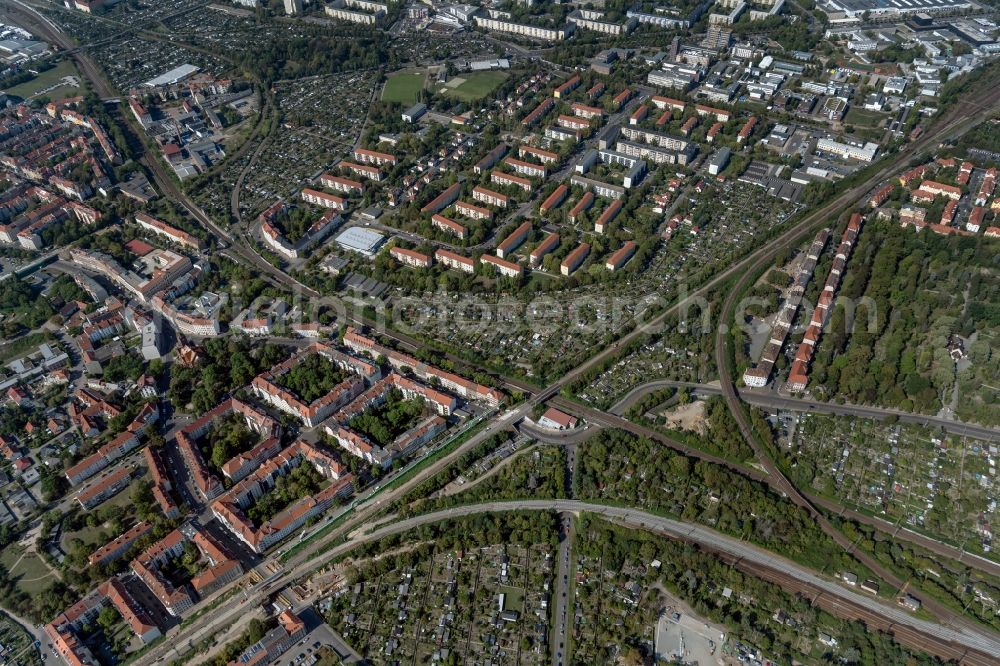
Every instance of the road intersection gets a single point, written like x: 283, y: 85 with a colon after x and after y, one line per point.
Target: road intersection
x: 942, y: 637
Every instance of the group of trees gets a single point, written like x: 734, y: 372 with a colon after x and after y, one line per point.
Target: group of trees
x: 21, y: 304
x: 722, y: 435
x: 415, y: 499
x: 314, y: 51
x: 909, y: 293
x: 255, y: 631
x: 384, y: 423
x: 312, y: 378
x: 226, y: 438
x: 302, y: 481
x: 295, y: 221
x: 461, y: 534
x: 617, y: 466
x: 527, y: 474
x: 124, y: 366
x: 230, y: 364
x: 954, y: 583
x: 41, y: 607
x: 690, y: 575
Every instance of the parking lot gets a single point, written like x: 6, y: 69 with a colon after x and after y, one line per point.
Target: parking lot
x: 305, y: 652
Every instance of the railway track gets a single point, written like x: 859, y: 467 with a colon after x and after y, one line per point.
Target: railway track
x: 982, y: 106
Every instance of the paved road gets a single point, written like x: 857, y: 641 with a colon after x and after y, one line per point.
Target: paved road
x: 368, y: 506
x: 971, y: 637
x: 562, y: 607
x: 957, y: 120
x: 38, y: 635
x: 574, y: 436
x: 769, y: 398
x: 787, y: 239
x: 605, y: 419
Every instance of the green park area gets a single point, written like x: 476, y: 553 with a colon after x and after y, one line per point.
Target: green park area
x: 25, y: 569
x: 474, y: 86
x: 47, y: 83
x: 405, y: 86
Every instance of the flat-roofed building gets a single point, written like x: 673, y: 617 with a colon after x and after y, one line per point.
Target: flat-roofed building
x: 600, y: 188
x: 537, y: 32
x: 596, y: 21
x: 656, y: 154
x: 556, y: 133
x: 356, y: 11
x: 865, y: 153
x: 668, y: 141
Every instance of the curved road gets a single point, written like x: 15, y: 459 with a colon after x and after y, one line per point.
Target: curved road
x: 769, y: 398
x: 958, y: 120
x: 977, y: 644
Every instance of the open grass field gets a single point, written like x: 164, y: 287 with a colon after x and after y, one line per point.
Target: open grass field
x: 49, y: 83
x: 26, y: 568
x: 474, y: 86
x: 860, y: 117
x: 513, y: 598
x: 405, y: 86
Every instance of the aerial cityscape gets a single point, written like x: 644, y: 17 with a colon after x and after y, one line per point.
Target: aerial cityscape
x: 516, y: 332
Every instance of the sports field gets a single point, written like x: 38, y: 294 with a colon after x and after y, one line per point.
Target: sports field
x: 474, y: 86
x: 405, y: 86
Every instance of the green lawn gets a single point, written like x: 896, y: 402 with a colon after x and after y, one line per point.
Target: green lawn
x: 26, y: 569
x: 860, y: 117
x: 45, y: 80
x: 404, y: 87
x: 513, y: 598
x: 474, y: 86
